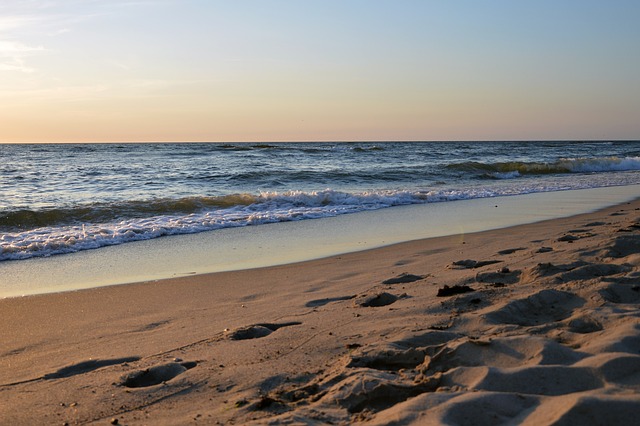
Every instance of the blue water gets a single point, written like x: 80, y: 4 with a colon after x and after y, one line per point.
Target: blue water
x: 62, y: 198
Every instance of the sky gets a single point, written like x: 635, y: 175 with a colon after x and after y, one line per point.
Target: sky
x: 318, y: 70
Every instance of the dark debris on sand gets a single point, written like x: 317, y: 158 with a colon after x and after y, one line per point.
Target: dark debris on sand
x: 452, y: 291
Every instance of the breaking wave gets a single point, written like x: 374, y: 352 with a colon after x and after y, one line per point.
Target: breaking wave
x: 513, y: 169
x: 38, y: 233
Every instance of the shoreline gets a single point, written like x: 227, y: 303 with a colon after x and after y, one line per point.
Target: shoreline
x: 550, y: 333
x: 291, y: 242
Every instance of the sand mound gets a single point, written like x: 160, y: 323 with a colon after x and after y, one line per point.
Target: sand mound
x: 375, y: 300
x: 587, y: 409
x: 591, y: 271
x: 372, y: 390
x: 477, y: 408
x: 539, y: 308
x: 505, y: 352
x: 618, y: 338
x: 390, y: 358
x: 256, y: 331
x: 546, y: 270
x: 155, y: 375
x: 623, y: 246
x: 619, y: 368
x: 458, y: 380
x: 583, y: 324
x: 533, y: 380
x: 620, y: 292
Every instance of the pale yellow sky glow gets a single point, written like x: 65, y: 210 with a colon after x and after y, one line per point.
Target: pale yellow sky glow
x: 196, y: 70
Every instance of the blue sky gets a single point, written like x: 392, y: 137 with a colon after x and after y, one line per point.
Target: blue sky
x: 261, y: 70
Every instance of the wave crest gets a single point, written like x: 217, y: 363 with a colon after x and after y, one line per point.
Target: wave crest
x: 104, y: 212
x: 513, y: 169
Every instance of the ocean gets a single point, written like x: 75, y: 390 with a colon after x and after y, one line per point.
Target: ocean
x: 64, y: 198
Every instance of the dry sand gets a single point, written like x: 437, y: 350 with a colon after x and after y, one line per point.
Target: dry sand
x: 549, y: 334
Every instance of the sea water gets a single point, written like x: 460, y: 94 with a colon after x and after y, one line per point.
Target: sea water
x: 65, y: 198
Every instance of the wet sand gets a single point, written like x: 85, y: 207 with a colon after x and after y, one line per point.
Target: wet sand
x: 533, y: 324
x: 290, y: 242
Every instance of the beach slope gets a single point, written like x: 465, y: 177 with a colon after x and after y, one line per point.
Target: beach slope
x: 534, y: 324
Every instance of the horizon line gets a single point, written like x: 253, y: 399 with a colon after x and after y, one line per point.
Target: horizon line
x: 323, y: 141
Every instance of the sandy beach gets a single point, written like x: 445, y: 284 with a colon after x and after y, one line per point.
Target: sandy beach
x: 533, y: 324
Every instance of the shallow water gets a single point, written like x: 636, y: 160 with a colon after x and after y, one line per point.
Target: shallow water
x: 288, y: 242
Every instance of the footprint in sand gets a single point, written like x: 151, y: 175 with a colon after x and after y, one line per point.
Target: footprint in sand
x: 591, y: 224
x: 87, y: 366
x: 502, y: 276
x: 403, y: 279
x: 578, y: 231
x: 256, y: 331
x: 630, y: 228
x: 321, y: 302
x: 544, y: 250
x: 511, y: 251
x: 155, y: 375
x: 568, y: 238
x: 376, y: 300
x: 472, y: 264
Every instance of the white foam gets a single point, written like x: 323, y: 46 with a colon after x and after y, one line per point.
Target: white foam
x: 506, y: 175
x: 273, y: 207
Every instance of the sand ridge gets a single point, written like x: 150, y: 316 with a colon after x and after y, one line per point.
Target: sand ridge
x: 536, y: 324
